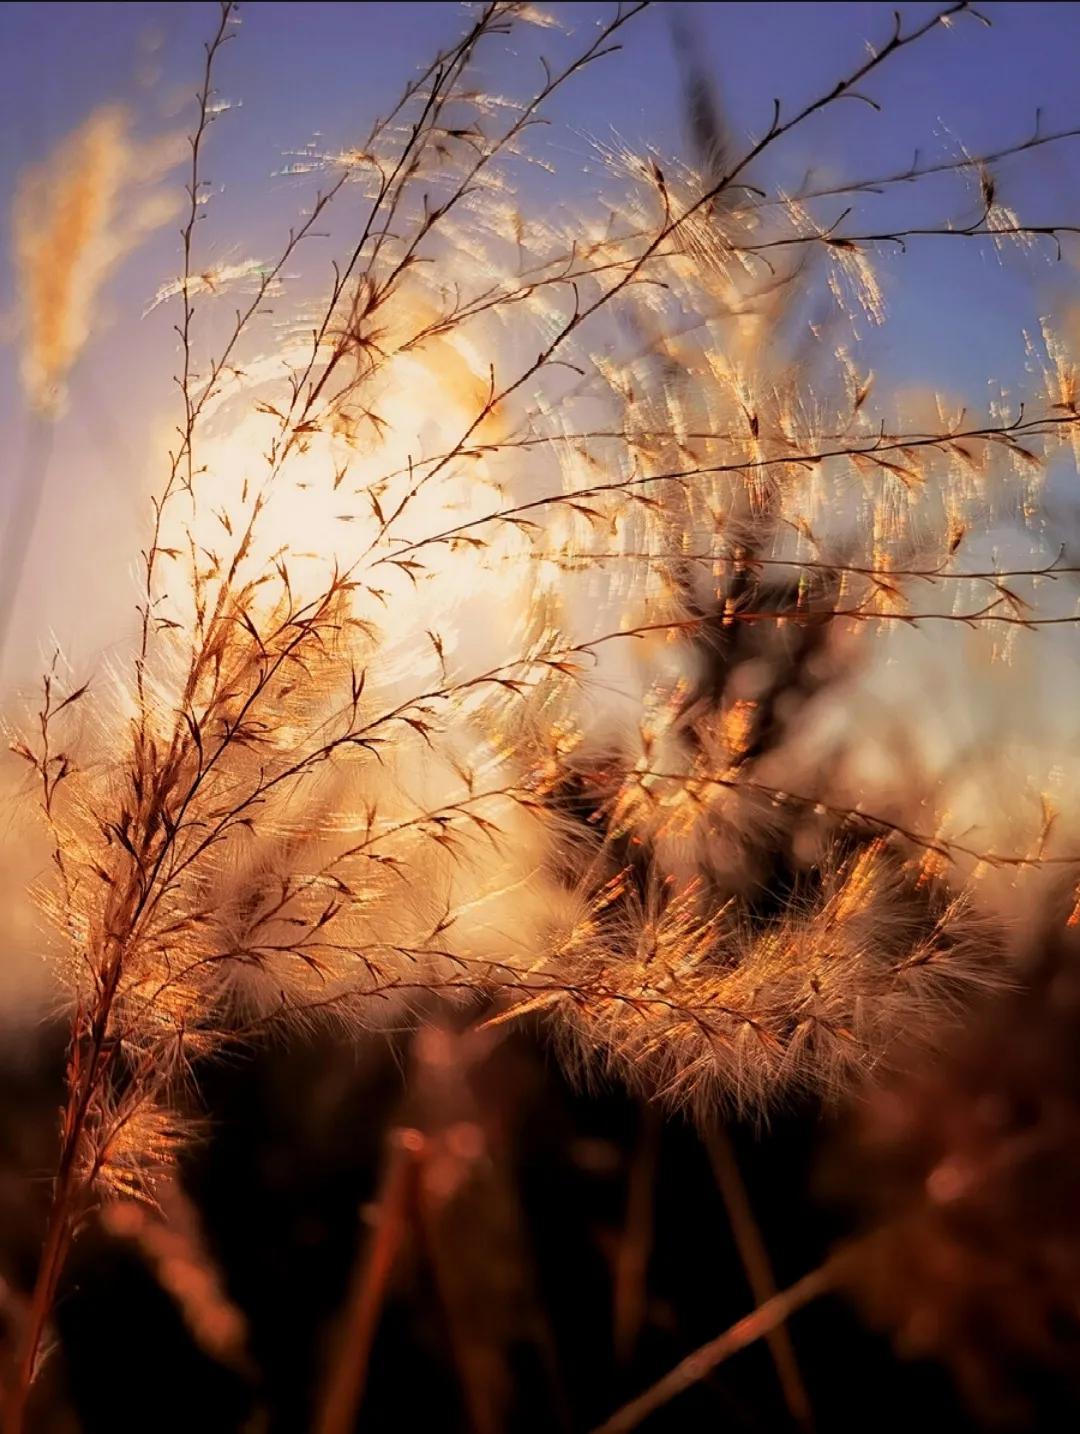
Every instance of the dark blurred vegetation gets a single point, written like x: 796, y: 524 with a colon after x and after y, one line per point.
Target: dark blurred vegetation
x: 502, y: 1310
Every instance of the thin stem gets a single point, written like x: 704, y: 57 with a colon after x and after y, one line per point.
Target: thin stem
x: 345, y: 1383
x: 768, y: 1317
x: 871, y: 451
x: 755, y: 1261
x: 184, y: 455
x: 635, y: 1247
x: 54, y: 1252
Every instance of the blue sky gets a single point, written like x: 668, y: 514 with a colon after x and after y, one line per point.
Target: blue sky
x: 297, y: 70
x: 317, y: 68
x: 331, y: 68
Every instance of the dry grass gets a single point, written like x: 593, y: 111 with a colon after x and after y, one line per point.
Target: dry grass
x: 511, y: 714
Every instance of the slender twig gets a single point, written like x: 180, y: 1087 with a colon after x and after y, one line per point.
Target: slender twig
x: 979, y: 230
x: 635, y: 1244
x: 394, y: 1214
x: 872, y: 451
x: 768, y: 1317
x: 976, y: 163
x: 758, y: 1267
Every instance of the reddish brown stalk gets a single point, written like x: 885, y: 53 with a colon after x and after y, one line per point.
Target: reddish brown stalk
x: 66, y: 1205
x: 747, y: 1331
x: 635, y: 1246
x: 758, y: 1268
x: 54, y: 1252
x: 348, y: 1372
